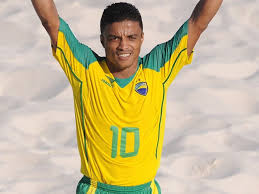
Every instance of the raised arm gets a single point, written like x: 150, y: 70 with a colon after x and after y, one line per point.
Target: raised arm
x: 203, y: 13
x: 48, y: 15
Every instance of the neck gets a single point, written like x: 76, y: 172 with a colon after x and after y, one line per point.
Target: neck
x: 123, y: 73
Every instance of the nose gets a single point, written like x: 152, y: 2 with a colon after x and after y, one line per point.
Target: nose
x: 123, y: 44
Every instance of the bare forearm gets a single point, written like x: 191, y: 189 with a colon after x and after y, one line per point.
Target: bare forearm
x: 204, y: 11
x: 48, y: 15
x: 201, y: 16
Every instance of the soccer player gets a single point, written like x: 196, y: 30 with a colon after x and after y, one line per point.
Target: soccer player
x: 120, y: 99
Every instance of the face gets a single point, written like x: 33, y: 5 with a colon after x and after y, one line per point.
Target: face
x: 122, y: 42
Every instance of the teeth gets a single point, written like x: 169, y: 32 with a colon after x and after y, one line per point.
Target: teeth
x: 124, y: 55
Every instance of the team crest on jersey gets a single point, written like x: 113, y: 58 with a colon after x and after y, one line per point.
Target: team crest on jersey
x: 141, y: 88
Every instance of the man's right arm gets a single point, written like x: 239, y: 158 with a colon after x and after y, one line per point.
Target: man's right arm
x: 48, y: 15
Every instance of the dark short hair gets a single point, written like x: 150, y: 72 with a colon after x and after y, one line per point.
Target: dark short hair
x: 118, y: 12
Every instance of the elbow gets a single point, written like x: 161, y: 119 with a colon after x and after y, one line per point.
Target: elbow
x: 44, y: 23
x: 49, y: 26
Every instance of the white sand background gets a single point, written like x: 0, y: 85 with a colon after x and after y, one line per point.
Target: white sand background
x: 211, y: 141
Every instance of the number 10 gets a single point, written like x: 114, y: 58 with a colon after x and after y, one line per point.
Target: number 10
x: 124, y: 132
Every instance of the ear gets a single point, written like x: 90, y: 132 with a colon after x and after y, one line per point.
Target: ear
x: 102, y: 40
x: 142, y: 37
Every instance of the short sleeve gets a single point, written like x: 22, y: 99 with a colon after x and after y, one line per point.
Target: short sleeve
x: 73, y: 56
x: 168, y: 58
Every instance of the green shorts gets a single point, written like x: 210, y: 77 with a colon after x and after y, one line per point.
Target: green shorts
x: 88, y: 186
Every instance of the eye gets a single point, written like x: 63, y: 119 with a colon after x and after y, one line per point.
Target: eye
x: 132, y: 37
x: 114, y: 38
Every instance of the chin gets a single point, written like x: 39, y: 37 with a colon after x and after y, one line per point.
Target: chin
x: 123, y: 64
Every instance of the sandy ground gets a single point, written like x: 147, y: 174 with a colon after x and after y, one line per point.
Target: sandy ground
x: 211, y: 141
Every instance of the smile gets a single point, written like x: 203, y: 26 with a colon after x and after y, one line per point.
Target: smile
x: 124, y: 55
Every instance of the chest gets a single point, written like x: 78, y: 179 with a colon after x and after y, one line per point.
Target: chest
x: 140, y: 98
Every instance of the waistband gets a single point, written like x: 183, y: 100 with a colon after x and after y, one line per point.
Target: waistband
x: 115, y: 188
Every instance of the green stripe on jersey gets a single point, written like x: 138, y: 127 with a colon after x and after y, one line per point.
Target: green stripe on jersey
x: 81, y: 52
x: 162, y: 53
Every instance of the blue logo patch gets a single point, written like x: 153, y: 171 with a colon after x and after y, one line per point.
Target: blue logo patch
x: 141, y: 88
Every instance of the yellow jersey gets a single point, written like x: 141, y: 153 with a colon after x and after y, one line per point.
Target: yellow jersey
x: 120, y: 122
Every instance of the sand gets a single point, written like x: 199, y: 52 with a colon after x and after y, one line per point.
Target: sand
x: 211, y: 143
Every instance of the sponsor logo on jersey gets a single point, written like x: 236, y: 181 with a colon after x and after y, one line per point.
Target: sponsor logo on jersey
x: 107, y: 83
x: 141, y: 88
x: 110, y: 79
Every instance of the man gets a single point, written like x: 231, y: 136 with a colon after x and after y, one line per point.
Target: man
x: 120, y: 99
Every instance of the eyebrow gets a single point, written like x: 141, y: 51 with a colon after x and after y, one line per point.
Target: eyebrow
x: 133, y: 35
x: 113, y: 35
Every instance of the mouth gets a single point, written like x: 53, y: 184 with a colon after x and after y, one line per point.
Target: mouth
x: 123, y: 56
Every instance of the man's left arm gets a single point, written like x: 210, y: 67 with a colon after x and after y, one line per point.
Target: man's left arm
x: 201, y: 16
